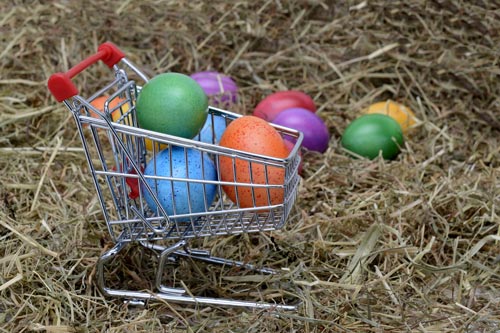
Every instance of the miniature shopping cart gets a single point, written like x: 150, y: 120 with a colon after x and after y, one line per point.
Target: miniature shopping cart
x: 117, y: 154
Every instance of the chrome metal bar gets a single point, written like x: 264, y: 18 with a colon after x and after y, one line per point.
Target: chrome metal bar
x: 224, y: 262
x: 204, y: 255
x: 105, y: 258
x: 138, y: 295
x: 166, y: 252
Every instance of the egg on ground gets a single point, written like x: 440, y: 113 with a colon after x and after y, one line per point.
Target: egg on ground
x: 400, y: 113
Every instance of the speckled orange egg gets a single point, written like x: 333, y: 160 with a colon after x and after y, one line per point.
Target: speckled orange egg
x: 254, y: 135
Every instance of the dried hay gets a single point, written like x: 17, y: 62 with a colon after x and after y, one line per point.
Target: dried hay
x: 407, y: 245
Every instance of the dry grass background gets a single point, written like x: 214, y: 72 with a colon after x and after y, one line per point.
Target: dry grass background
x: 410, y: 245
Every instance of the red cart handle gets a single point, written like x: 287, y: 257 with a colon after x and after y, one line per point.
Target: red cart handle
x: 60, y: 84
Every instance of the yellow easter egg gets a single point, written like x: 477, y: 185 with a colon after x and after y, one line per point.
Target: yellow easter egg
x: 402, y: 114
x: 157, y: 146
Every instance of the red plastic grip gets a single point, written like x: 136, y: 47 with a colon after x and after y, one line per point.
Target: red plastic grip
x: 60, y: 84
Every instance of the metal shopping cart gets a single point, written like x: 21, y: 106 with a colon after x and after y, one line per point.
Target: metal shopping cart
x: 117, y: 153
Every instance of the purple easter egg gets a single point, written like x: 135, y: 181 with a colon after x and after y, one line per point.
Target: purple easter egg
x: 316, y: 135
x: 221, y: 89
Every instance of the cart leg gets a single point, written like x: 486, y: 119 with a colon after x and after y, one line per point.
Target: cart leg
x: 113, y: 253
x: 165, y: 253
x: 106, y: 257
x: 103, y: 260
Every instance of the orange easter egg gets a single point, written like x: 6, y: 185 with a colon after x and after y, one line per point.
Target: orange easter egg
x: 254, y: 135
x: 99, y: 102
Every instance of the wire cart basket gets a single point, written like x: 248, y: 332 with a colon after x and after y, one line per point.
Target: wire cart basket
x: 118, y: 151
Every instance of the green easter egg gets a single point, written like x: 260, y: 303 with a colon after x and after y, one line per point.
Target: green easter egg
x: 172, y: 103
x: 373, y: 133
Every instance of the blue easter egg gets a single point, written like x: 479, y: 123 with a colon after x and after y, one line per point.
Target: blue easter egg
x: 207, y: 133
x: 181, y: 197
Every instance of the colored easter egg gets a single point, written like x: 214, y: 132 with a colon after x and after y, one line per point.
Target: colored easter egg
x: 172, y: 103
x: 212, y: 130
x: 253, y: 135
x: 372, y: 134
x: 153, y: 145
x: 100, y: 102
x: 220, y: 88
x: 181, y: 197
x: 402, y: 114
x: 316, y: 135
x: 273, y: 104
x: 132, y: 182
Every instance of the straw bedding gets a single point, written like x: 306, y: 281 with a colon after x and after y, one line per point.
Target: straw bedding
x: 410, y: 245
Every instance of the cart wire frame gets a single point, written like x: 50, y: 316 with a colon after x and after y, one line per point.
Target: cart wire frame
x: 117, y: 152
